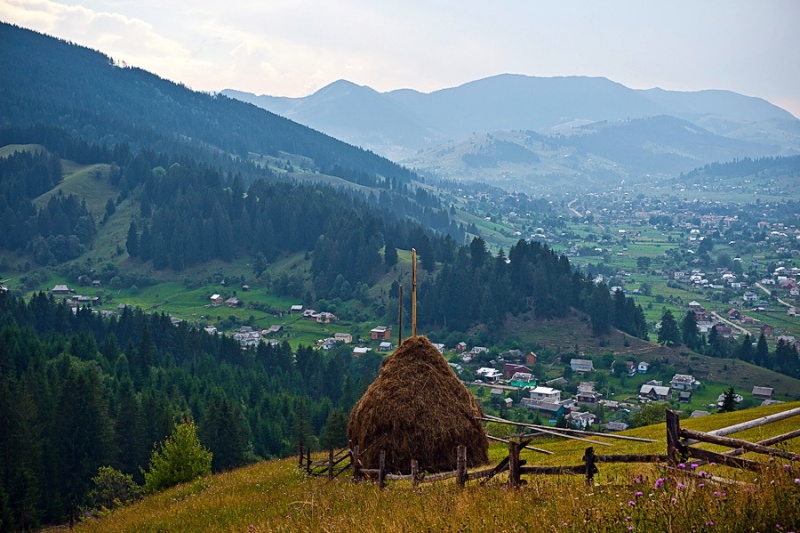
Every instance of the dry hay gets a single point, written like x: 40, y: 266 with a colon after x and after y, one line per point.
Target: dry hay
x: 417, y: 409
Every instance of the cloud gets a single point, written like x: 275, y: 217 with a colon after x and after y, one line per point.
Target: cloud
x: 126, y: 39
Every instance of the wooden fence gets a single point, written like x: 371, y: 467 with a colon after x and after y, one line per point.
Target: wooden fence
x: 679, y: 449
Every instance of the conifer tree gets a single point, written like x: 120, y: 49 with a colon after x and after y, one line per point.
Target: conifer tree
x: 180, y: 458
x: 669, y: 333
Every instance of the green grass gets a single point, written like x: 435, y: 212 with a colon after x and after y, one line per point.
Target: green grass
x: 275, y: 496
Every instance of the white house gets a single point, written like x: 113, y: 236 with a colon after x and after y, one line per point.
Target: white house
x: 654, y: 392
x: 545, y: 394
x: 643, y: 366
x: 360, y: 350
x: 684, y: 382
x: 490, y: 374
x: 581, y: 365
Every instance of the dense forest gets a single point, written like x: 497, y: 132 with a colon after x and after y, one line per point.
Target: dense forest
x: 78, y: 392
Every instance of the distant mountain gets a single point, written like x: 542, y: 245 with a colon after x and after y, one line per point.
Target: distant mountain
x: 405, y: 124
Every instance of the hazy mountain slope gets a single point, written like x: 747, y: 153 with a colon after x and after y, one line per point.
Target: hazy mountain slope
x: 64, y: 85
x: 401, y: 122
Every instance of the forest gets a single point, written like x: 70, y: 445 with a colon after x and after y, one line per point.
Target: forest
x: 78, y: 392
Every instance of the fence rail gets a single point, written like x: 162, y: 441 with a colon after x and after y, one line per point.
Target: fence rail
x: 680, y: 447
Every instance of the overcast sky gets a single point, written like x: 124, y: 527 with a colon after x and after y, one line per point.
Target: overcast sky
x: 294, y: 47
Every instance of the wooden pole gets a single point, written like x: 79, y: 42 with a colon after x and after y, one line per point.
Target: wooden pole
x: 749, y: 425
x: 357, y: 475
x: 461, y: 465
x: 400, y: 318
x: 382, y: 469
x: 413, y: 292
x: 308, y: 460
x: 414, y: 472
x: 330, y: 463
x: 513, y: 462
x: 675, y: 450
x: 588, y: 461
x: 300, y: 455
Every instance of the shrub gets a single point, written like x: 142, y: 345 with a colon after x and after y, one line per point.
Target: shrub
x: 112, y: 488
x: 180, y: 458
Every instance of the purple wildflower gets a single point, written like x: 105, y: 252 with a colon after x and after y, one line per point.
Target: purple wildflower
x: 709, y: 523
x: 659, y: 482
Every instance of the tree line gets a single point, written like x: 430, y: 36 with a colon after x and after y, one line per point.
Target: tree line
x: 79, y: 392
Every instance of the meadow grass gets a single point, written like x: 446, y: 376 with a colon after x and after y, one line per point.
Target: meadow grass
x: 273, y: 496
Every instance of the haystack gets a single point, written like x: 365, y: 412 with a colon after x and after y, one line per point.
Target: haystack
x: 417, y: 409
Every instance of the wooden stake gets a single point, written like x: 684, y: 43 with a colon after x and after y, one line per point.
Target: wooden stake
x: 413, y: 292
x: 400, y: 318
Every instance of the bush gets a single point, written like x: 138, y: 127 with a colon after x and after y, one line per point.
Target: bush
x: 180, y: 458
x: 112, y: 488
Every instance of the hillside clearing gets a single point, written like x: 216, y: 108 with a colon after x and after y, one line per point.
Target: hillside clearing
x: 275, y: 496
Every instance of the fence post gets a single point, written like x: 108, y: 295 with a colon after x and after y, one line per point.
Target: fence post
x: 675, y: 450
x: 588, y: 461
x: 300, y: 455
x: 382, y: 469
x: 513, y: 462
x: 461, y: 465
x: 308, y: 459
x: 414, y: 472
x: 356, y: 460
x: 330, y: 463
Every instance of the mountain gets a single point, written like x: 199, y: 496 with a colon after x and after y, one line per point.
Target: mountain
x: 408, y: 125
x: 78, y: 89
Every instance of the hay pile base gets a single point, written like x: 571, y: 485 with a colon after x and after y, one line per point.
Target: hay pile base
x: 417, y: 409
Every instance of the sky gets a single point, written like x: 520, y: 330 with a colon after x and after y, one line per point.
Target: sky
x: 295, y: 47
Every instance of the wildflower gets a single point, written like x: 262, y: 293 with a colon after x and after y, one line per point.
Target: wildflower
x: 630, y: 528
x: 682, y: 465
x: 797, y: 480
x: 787, y: 467
x: 693, y: 466
x: 701, y: 485
x: 659, y: 482
x: 637, y: 479
x: 630, y: 503
x: 673, y: 500
x: 638, y: 493
x: 709, y: 523
x: 627, y: 518
x: 681, y: 486
x: 716, y: 494
x: 702, y: 473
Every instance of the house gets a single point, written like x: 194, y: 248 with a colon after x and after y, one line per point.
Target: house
x: 530, y: 358
x: 737, y: 398
x: 684, y: 382
x: 488, y: 373
x: 297, y: 308
x: 560, y: 381
x: 216, y: 300
x: 477, y: 350
x: 630, y: 368
x: 762, y: 393
x: 360, y: 350
x: 589, y: 398
x: 380, y: 333
x: 696, y: 307
x: 522, y: 379
x: 551, y: 409
x: 685, y: 396
x: 233, y: 301
x: 245, y: 288
x: 699, y: 414
x: 586, y: 386
x: 789, y: 340
x: 272, y: 330
x: 512, y: 355
x: 508, y: 402
x: 345, y: 338
x: 654, y: 393
x: 325, y: 317
x: 385, y: 346
x: 61, y: 289
x: 96, y: 283
x: 617, y: 426
x: 579, y: 420
x: 175, y: 320
x: 439, y: 346
x: 750, y: 296
x: 309, y: 313
x: 211, y: 330
x: 461, y: 347
x: 767, y: 330
x: 642, y: 367
x: 466, y: 357
x: 581, y: 365
x: 545, y: 394
x: 509, y: 369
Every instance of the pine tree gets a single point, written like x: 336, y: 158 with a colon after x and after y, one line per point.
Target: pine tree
x: 132, y: 242
x: 180, y: 458
x: 689, y: 331
x: 728, y: 401
x: 669, y: 333
x: 334, y: 434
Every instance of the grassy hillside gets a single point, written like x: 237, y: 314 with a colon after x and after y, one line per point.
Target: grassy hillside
x: 274, y: 496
